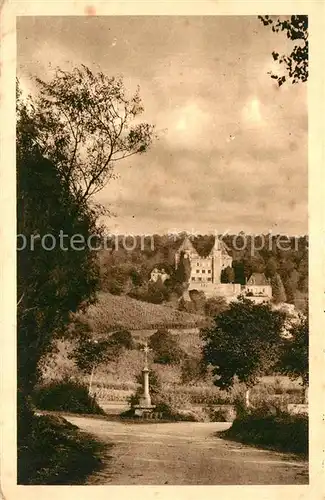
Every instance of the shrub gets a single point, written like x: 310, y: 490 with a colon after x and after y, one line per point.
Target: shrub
x: 266, y: 408
x: 193, y: 415
x: 221, y: 414
x: 173, y: 400
x: 177, y: 407
x: 279, y: 431
x: 261, y: 396
x: 56, y: 452
x: 66, y: 395
x: 122, y: 338
x: 165, y: 347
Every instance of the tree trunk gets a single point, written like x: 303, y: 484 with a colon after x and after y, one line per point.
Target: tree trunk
x: 91, y: 379
x: 247, y: 400
x: 306, y: 389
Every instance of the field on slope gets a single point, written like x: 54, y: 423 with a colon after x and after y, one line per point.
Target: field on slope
x: 112, y: 311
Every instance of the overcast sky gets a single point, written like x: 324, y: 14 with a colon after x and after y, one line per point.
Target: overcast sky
x: 232, y: 153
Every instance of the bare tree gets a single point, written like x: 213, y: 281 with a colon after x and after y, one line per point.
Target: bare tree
x: 86, y: 123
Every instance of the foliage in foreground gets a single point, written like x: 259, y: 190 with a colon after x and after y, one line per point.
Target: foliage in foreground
x: 295, y: 63
x: 69, y: 138
x: 51, y: 284
x: 271, y: 428
x: 66, y: 395
x: 55, y: 452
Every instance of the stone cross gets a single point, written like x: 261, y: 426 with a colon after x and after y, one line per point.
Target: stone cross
x: 146, y: 350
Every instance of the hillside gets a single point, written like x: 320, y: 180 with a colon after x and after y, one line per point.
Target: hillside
x: 112, y: 311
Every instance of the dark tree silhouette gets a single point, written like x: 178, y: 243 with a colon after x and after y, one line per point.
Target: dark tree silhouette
x: 69, y: 139
x: 244, y: 342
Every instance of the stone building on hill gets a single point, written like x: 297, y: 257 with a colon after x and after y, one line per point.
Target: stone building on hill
x: 258, y: 288
x: 157, y: 273
x: 206, y: 270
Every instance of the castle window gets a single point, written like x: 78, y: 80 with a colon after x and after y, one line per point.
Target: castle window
x: 197, y: 263
x: 193, y: 278
x: 198, y: 270
x: 209, y: 279
x: 203, y: 270
x: 199, y: 278
x: 209, y: 271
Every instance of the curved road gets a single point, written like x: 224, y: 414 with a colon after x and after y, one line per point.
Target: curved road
x: 184, y: 453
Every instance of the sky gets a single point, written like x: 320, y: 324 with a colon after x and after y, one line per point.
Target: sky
x: 231, y: 153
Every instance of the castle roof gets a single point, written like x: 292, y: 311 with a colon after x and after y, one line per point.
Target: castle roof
x: 258, y: 279
x: 206, y: 251
x: 219, y: 245
x: 186, y: 245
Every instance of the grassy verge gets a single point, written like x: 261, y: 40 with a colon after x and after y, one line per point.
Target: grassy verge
x: 56, y: 452
x: 281, y: 432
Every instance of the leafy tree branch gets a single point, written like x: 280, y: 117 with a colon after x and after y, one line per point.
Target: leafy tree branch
x: 296, y: 62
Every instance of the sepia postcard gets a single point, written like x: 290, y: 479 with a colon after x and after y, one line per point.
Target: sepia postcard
x: 162, y: 258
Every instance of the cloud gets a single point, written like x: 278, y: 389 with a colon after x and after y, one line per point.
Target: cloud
x: 233, y: 145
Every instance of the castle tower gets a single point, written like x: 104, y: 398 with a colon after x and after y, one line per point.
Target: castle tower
x: 216, y: 262
x: 186, y: 249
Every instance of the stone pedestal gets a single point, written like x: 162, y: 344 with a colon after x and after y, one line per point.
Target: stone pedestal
x: 145, y: 399
x: 144, y: 408
x: 143, y: 411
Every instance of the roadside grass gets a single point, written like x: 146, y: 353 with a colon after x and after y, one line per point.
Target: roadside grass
x: 56, y: 452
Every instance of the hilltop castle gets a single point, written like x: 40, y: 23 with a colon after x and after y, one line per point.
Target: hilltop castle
x: 206, y: 274
x: 206, y: 271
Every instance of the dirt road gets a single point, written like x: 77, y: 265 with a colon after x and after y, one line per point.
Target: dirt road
x: 184, y: 453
